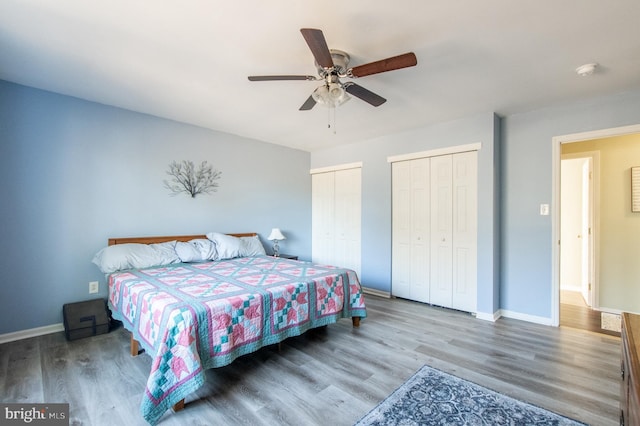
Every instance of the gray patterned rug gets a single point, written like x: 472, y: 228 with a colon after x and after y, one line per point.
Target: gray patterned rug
x: 432, y: 397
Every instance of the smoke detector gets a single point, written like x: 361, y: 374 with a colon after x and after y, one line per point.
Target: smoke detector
x: 586, y: 69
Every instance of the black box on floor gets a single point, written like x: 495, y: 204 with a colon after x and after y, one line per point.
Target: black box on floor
x: 85, y: 319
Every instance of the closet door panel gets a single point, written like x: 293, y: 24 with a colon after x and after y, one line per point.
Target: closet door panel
x: 420, y: 230
x: 348, y: 218
x: 322, y: 217
x: 411, y: 229
x: 465, y: 231
x: 401, y: 229
x: 441, y: 231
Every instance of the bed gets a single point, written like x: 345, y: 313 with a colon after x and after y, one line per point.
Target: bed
x: 192, y: 316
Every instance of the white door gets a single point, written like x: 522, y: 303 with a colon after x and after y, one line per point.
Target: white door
x: 465, y: 231
x: 336, y: 218
x: 587, y: 226
x: 441, y: 231
x: 401, y: 229
x: 322, y: 217
x: 420, y: 230
x: 434, y: 224
x: 410, y: 219
x: 347, y: 219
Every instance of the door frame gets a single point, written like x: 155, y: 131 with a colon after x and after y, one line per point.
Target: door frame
x: 556, y: 143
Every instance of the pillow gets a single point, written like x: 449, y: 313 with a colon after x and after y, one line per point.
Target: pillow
x: 227, y: 246
x: 127, y: 256
x: 188, y: 252
x: 251, y: 246
x: 197, y: 250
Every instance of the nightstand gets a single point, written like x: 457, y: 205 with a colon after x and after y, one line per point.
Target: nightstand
x: 288, y: 256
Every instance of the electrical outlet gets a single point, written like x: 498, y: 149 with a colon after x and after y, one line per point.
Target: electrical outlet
x: 93, y: 287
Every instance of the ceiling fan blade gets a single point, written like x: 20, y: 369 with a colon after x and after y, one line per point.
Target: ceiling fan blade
x: 308, y: 104
x: 318, y: 45
x: 384, y: 65
x: 364, y: 94
x: 280, y: 77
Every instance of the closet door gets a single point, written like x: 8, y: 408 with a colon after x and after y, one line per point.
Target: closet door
x: 410, y: 218
x: 401, y: 229
x: 434, y: 224
x: 347, y: 219
x: 441, y: 231
x: 465, y: 231
x: 322, y: 217
x: 336, y: 218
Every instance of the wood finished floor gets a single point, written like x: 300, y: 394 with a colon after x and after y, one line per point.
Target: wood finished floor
x: 575, y: 313
x: 332, y: 376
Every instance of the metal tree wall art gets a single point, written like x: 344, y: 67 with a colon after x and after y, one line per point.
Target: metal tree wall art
x: 186, y: 178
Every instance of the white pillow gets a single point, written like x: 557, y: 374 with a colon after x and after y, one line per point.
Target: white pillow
x: 251, y: 246
x: 129, y: 256
x: 227, y: 246
x: 188, y: 252
x: 197, y: 250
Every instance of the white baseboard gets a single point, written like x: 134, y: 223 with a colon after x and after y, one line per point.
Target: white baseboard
x: 525, y: 317
x: 376, y: 292
x: 486, y: 316
x: 32, y: 332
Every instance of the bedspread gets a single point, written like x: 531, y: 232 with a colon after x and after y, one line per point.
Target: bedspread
x: 191, y: 317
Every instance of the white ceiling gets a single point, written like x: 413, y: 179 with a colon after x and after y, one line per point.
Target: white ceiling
x: 189, y: 60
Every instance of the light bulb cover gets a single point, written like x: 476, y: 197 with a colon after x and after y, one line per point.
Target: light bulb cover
x: 330, y: 95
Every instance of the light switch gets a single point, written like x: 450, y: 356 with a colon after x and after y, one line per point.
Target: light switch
x: 544, y: 209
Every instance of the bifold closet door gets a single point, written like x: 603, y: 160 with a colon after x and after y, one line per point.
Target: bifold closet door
x: 336, y: 218
x: 441, y: 231
x: 348, y: 218
x: 322, y: 217
x: 454, y: 231
x: 434, y: 225
x: 410, y: 219
x: 465, y: 231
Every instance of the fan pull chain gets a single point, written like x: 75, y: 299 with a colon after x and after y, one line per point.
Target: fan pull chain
x: 329, y: 117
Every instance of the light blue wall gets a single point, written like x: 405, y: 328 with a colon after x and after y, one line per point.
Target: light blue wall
x: 526, y: 253
x: 75, y: 173
x: 514, y: 178
x: 376, y: 194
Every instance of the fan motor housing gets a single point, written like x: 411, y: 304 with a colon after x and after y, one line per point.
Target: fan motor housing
x: 340, y: 63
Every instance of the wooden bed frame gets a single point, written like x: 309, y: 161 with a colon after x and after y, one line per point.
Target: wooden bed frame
x: 135, y: 346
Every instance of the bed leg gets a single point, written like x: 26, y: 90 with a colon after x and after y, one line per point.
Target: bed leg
x: 134, y: 346
x: 355, y: 321
x: 179, y: 405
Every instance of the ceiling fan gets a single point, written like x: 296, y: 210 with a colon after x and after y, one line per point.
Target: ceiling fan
x: 332, y: 65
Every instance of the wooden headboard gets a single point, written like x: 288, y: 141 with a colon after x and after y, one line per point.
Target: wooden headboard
x: 153, y: 240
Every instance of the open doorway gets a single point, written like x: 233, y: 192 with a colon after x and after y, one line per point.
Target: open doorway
x: 597, y: 241
x: 578, y: 281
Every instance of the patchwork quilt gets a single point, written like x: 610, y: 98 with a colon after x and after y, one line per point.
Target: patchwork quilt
x: 195, y: 316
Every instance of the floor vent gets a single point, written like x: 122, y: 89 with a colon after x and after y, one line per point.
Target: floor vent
x: 610, y: 321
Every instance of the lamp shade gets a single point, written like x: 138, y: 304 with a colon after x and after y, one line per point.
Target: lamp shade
x: 276, y: 234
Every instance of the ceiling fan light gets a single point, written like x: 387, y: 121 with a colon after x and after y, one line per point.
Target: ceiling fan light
x: 335, y: 91
x: 330, y: 95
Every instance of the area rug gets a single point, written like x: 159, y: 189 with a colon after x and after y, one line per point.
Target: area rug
x: 432, y: 397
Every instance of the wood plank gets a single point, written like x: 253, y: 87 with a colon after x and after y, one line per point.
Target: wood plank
x: 570, y: 371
